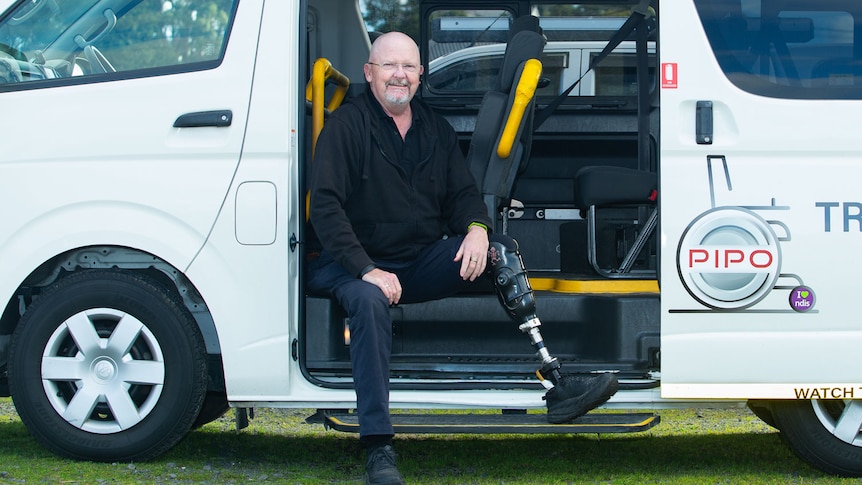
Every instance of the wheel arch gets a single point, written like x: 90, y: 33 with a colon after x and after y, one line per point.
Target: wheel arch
x: 113, y: 257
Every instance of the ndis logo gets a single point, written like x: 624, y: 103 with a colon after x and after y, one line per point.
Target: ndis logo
x: 729, y: 258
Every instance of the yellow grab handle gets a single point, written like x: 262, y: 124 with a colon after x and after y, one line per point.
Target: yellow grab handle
x: 322, y: 71
x: 314, y: 91
x: 524, y: 93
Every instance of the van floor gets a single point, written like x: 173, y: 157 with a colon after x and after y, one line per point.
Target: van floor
x: 470, y: 336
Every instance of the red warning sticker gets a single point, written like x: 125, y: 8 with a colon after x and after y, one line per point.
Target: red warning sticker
x: 669, y: 73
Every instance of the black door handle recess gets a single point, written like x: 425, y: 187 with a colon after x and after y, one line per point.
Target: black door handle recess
x: 222, y: 117
x: 703, y: 123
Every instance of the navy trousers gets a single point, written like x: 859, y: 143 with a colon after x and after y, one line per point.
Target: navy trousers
x: 433, y: 275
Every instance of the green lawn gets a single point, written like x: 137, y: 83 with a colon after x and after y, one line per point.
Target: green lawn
x: 693, y: 446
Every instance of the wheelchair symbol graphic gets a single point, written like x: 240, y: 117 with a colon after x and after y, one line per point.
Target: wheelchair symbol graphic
x: 729, y: 257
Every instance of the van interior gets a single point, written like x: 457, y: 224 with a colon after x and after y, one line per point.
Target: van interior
x: 581, y: 200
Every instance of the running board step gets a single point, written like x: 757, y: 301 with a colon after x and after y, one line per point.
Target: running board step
x: 501, y: 423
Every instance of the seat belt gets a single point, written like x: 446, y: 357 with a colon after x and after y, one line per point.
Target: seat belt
x: 638, y: 15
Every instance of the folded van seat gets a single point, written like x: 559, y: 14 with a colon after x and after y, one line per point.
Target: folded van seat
x: 598, y: 187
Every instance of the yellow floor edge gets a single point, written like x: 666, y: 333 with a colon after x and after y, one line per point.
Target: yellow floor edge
x: 595, y: 286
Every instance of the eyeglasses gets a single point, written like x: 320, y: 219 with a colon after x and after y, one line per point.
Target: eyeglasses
x: 391, y: 67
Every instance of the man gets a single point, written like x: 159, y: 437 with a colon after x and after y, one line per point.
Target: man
x: 388, y: 182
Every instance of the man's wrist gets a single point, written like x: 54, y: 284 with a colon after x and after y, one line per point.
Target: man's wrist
x: 367, y: 270
x: 477, y: 224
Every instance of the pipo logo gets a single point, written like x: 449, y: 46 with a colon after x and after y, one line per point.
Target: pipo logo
x: 729, y: 258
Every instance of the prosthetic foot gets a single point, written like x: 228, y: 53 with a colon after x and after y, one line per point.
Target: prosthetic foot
x: 567, y: 397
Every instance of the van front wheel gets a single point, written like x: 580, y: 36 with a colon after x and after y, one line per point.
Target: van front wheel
x: 825, y: 433
x: 107, y: 365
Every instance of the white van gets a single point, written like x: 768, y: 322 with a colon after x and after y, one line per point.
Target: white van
x: 154, y: 236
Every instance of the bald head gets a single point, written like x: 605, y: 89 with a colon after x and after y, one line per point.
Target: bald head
x: 393, y: 71
x: 391, y: 43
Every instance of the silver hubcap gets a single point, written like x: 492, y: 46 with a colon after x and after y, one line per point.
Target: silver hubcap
x: 842, y: 418
x: 103, y: 370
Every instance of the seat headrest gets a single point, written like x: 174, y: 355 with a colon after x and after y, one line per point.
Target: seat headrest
x: 524, y: 45
x: 529, y: 23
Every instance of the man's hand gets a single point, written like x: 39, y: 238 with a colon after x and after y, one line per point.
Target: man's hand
x: 473, y: 253
x: 386, y: 281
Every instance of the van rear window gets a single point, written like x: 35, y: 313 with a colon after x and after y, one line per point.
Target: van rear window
x: 803, y: 49
x: 465, y: 50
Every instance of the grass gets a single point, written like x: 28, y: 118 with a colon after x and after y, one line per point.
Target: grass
x: 692, y: 446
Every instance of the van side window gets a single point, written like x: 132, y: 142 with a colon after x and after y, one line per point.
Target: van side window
x: 46, y: 42
x: 465, y: 48
x: 465, y: 51
x: 803, y: 49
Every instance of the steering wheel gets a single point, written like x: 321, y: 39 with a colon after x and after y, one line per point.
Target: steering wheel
x: 98, y: 62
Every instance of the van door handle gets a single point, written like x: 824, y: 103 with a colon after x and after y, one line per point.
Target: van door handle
x: 222, y: 117
x: 703, y: 123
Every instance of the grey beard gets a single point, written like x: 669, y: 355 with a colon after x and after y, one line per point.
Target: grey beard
x: 397, y: 100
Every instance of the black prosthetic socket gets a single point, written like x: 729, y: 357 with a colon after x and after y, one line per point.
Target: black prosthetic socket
x: 516, y: 296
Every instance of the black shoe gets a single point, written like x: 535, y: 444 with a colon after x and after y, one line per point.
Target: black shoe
x: 577, y: 395
x: 380, y: 467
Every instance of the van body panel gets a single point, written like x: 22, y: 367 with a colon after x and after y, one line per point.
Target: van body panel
x: 752, y: 233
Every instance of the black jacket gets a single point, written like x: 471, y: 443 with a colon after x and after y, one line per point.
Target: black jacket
x: 364, y: 208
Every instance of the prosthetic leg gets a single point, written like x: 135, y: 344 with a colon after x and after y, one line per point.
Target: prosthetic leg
x: 516, y: 296
x: 567, y: 397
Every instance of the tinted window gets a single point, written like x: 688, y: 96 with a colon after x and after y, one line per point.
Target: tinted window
x: 471, y: 74
x: 476, y: 71
x: 65, y: 39
x: 787, y: 48
x: 617, y: 75
x: 465, y: 48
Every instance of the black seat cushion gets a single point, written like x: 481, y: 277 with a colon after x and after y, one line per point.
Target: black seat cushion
x: 606, y: 185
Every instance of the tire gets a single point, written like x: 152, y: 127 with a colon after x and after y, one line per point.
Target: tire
x: 824, y: 433
x: 107, y: 366
x: 214, y: 407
